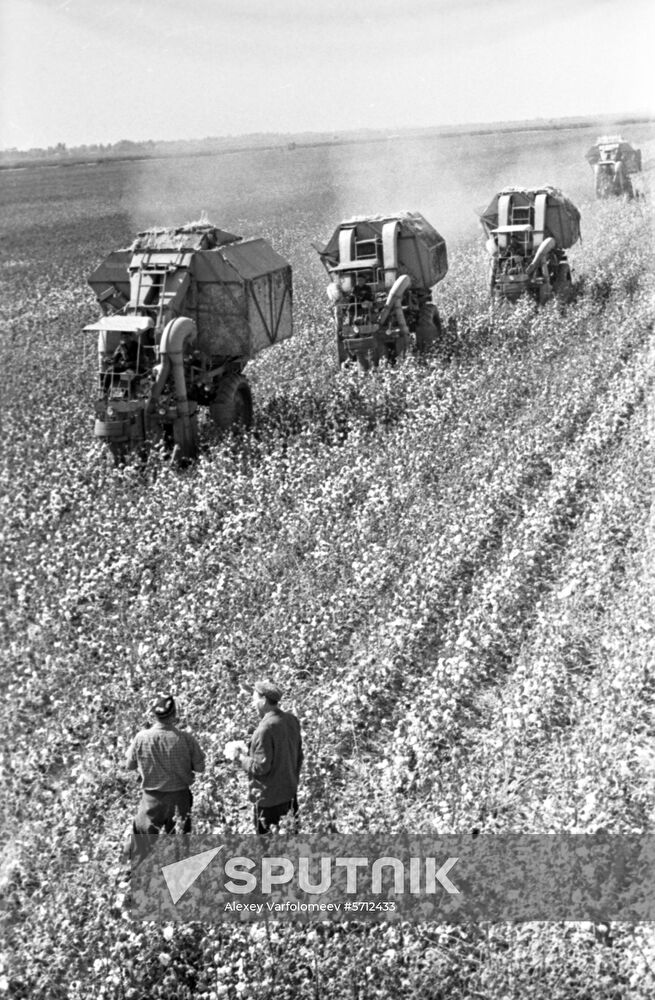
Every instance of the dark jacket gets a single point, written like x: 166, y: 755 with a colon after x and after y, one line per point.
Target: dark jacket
x: 275, y: 758
x: 125, y: 356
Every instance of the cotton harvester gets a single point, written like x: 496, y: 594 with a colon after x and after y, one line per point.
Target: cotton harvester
x: 382, y: 270
x: 613, y: 160
x: 528, y: 233
x: 184, y: 311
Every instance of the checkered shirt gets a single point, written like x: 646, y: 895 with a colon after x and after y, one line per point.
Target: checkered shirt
x: 165, y: 757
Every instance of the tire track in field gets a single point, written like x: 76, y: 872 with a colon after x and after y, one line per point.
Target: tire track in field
x: 555, y: 737
x: 492, y: 642
x: 547, y: 504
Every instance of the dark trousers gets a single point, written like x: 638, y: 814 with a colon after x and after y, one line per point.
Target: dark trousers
x: 267, y: 816
x: 157, y: 811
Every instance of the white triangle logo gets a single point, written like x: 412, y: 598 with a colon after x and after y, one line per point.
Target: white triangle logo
x: 182, y: 874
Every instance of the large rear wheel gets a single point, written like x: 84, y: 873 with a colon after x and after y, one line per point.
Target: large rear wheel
x: 232, y: 407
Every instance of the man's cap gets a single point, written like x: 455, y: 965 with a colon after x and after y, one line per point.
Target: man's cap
x: 269, y: 690
x: 163, y: 706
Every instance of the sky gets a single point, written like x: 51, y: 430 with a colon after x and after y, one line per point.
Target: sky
x: 98, y: 71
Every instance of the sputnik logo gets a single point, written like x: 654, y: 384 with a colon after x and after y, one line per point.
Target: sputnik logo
x: 181, y: 875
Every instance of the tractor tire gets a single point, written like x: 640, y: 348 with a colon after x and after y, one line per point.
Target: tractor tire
x: 604, y: 184
x: 232, y: 407
x: 563, y: 286
x: 185, y: 441
x: 367, y: 360
x: 428, y: 328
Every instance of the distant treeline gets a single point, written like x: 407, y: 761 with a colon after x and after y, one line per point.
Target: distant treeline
x: 63, y: 156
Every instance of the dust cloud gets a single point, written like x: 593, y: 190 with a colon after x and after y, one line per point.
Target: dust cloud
x: 298, y: 196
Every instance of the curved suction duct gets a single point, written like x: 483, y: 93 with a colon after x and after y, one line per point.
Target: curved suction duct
x: 178, y: 336
x: 541, y: 254
x: 394, y: 299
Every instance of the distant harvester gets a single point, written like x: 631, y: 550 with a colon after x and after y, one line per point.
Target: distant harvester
x: 613, y: 160
x: 383, y: 269
x: 529, y: 231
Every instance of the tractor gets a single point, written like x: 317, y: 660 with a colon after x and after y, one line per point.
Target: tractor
x: 184, y: 310
x: 382, y: 271
x: 614, y: 160
x: 528, y: 233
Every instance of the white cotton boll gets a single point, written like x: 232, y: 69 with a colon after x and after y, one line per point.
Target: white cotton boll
x: 334, y: 292
x: 234, y: 749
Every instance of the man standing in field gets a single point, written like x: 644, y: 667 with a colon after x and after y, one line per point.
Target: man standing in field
x: 274, y: 761
x: 166, y: 758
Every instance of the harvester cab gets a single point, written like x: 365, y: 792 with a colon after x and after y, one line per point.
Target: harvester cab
x: 528, y: 233
x: 613, y: 161
x: 184, y: 310
x: 382, y: 271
